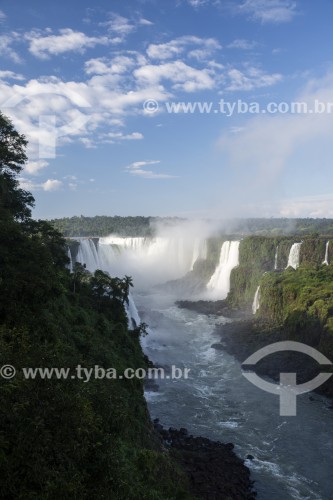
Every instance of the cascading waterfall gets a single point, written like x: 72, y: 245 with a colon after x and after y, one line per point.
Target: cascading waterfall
x: 276, y: 258
x: 147, y: 260
x: 199, y: 251
x: 219, y: 284
x: 326, y: 253
x: 256, y: 300
x: 132, y: 313
x: 70, y: 265
x: 293, y: 259
x: 88, y: 255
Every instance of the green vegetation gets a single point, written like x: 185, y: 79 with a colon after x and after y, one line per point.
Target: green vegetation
x: 257, y: 256
x: 301, y: 302
x: 105, y: 225
x: 67, y: 438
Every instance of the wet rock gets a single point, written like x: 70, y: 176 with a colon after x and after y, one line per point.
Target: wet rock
x: 215, y: 472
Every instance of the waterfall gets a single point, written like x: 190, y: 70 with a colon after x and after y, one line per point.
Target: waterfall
x: 219, y: 284
x: 199, y: 251
x: 326, y: 253
x: 293, y: 259
x: 132, y: 313
x: 256, y: 300
x: 70, y: 265
x: 276, y: 258
x: 88, y: 254
x: 148, y: 260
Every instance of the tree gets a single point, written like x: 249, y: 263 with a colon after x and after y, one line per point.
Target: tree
x: 14, y: 202
x: 127, y: 282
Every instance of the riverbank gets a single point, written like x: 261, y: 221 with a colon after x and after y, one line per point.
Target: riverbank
x: 213, y: 469
x: 245, y: 335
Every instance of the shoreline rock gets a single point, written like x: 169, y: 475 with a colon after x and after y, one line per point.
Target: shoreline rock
x: 217, y: 308
x: 214, y: 471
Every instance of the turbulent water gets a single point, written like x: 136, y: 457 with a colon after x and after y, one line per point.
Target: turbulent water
x: 293, y: 456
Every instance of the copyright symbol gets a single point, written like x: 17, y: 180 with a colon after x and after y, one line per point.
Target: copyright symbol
x: 7, y: 372
x: 150, y: 106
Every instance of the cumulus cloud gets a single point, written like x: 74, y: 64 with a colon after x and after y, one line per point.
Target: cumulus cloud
x: 269, y: 11
x: 6, y: 49
x: 178, y: 46
x: 49, y: 185
x: 102, y: 65
x: 182, y: 76
x: 10, y: 75
x: 66, y: 41
x: 33, y: 167
x: 250, y: 78
x: 119, y: 27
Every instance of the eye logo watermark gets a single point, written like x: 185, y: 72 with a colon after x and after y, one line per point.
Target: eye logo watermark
x: 48, y: 130
x: 287, y: 390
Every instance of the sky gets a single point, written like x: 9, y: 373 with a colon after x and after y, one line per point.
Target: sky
x: 192, y: 108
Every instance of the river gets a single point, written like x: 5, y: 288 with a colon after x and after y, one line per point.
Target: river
x: 293, y: 456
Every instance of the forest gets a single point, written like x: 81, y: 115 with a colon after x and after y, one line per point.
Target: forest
x: 64, y: 438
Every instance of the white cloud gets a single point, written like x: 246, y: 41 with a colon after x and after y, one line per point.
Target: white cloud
x: 242, y: 44
x: 197, y: 3
x: 10, y: 75
x: 6, y: 50
x: 119, y: 26
x: 118, y: 136
x: 103, y: 66
x: 33, y: 167
x: 2, y: 16
x: 67, y: 40
x: 136, y: 168
x: 251, y: 78
x: 269, y: 11
x: 145, y: 22
x: 176, y: 47
x: 182, y: 76
x: 307, y: 206
x: 138, y: 164
x: 51, y: 185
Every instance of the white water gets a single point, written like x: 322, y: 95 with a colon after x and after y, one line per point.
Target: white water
x: 132, y: 313
x: 293, y: 259
x: 219, y: 284
x: 276, y: 258
x: 256, y: 300
x: 326, y: 253
x: 88, y: 255
x: 147, y: 260
x: 70, y: 265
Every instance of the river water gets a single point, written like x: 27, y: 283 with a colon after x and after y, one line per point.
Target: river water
x: 293, y: 455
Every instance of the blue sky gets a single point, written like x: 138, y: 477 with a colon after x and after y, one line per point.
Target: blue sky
x: 91, y: 84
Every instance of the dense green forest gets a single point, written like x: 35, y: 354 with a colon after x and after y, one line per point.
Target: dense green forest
x: 104, y: 225
x: 146, y: 226
x: 66, y: 438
